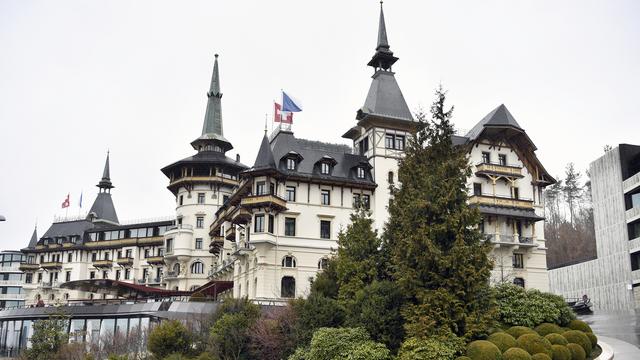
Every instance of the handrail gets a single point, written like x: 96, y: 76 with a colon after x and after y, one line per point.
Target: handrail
x: 499, y: 164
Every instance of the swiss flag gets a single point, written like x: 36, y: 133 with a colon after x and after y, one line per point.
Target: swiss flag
x: 66, y: 202
x: 279, y: 116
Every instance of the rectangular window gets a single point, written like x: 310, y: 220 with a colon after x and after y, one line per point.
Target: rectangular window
x: 477, y: 189
x: 127, y: 274
x: 94, y: 256
x: 39, y: 277
x: 486, y: 157
x: 516, y: 193
x: 105, y: 274
x: 128, y: 253
x: 518, y: 261
x: 92, y: 275
x: 290, y: 226
x: 389, y: 141
x: 291, y: 164
x: 291, y: 193
x: 106, y: 256
x: 361, y: 173
x: 365, y: 202
x: 399, y: 142
x: 67, y: 276
x: 502, y: 159
x: 324, y: 168
x: 325, y: 229
x: 118, y: 274
x: 119, y: 254
x: 272, y: 188
x: 260, y: 188
x: 225, y: 198
x: 28, y: 278
x: 271, y: 222
x: 70, y: 257
x: 356, y: 201
x: 200, y: 198
x: 259, y: 223
x: 146, y: 253
x: 169, y: 245
x: 199, y: 222
x: 198, y: 243
x: 145, y: 273
x: 181, y: 200
x: 325, y: 197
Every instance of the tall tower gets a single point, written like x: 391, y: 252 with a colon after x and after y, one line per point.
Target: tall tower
x: 102, y: 209
x: 384, y: 123
x: 201, y: 184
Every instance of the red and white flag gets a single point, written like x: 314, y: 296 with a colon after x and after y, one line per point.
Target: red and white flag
x: 66, y: 202
x: 285, y: 117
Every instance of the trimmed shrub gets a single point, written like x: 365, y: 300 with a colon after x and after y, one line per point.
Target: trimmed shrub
x: 560, y: 352
x: 548, y: 328
x: 540, y: 356
x: 517, y: 331
x: 345, y: 343
x: 369, y: 350
x: 534, y: 344
x: 463, y: 358
x: 427, y: 349
x: 502, y: 340
x: 578, y: 337
x: 516, y: 354
x: 517, y: 306
x: 170, y: 337
x: 593, y: 339
x: 483, y: 350
x: 577, y: 352
x: 556, y: 339
x: 579, y: 325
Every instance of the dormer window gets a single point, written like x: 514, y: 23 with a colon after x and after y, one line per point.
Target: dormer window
x: 361, y: 172
x: 325, y: 168
x: 291, y: 164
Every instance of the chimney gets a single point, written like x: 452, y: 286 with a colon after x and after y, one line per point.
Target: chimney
x: 237, y: 157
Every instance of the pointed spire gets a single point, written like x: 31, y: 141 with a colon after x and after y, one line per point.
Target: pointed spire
x: 383, y: 58
x: 34, y: 237
x: 105, y: 182
x: 212, y: 133
x: 265, y: 155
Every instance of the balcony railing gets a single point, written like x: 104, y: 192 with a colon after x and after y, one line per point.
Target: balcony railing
x: 103, y: 263
x: 28, y: 266
x: 155, y: 260
x: 181, y: 227
x: 51, y: 265
x: 496, y: 200
x: 631, y: 183
x: 172, y: 274
x: 633, y: 214
x: 125, y: 261
x: 265, y: 200
x: 499, y: 169
x: 230, y: 233
x: 48, y: 284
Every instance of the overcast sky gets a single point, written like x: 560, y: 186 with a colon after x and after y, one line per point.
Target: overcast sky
x: 80, y: 77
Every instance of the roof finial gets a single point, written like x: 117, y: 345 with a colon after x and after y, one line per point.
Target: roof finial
x: 383, y: 58
x: 105, y: 182
x: 265, y: 123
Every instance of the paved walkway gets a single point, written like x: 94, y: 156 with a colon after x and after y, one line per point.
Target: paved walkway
x: 622, y: 350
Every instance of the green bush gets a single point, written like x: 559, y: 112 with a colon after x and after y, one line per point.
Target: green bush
x: 534, y: 344
x: 578, y: 337
x: 345, y: 343
x: 560, y: 352
x: 370, y: 350
x: 517, y: 331
x: 429, y: 349
x: 579, y: 325
x: 556, y: 339
x: 168, y: 338
x: 516, y: 354
x: 463, y: 358
x: 593, y: 339
x: 483, y: 350
x: 316, y: 312
x: 174, y: 356
x: 502, y: 340
x: 577, y: 352
x: 547, y: 328
x: 517, y: 306
x: 540, y: 356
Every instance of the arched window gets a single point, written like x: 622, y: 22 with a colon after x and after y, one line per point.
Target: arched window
x: 197, y: 268
x: 288, y: 287
x: 66, y: 296
x: 52, y: 297
x: 518, y: 281
x: 322, y: 263
x: 288, y: 261
x: 390, y: 177
x: 176, y: 269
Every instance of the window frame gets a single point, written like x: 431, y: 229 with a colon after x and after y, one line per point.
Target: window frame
x: 256, y: 223
x: 291, y: 163
x: 325, y: 197
x: 198, y: 244
x: 290, y: 190
x: 201, y: 198
x: 325, y: 234
x: 288, y: 223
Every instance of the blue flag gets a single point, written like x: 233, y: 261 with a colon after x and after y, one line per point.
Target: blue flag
x: 289, y: 104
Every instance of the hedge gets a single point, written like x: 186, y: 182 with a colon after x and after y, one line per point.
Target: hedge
x: 534, y: 344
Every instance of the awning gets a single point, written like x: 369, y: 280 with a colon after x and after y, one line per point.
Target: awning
x: 121, y: 289
x: 213, y: 288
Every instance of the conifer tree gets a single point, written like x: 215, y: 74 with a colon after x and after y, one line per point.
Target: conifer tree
x: 436, y: 253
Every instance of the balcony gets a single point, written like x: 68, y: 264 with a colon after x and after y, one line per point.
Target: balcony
x: 230, y: 233
x: 125, y: 261
x: 172, y: 274
x: 216, y: 243
x: 51, y: 265
x: 240, y: 216
x: 155, y: 260
x: 497, y: 169
x: 203, y: 179
x: 48, y: 284
x: 635, y: 276
x: 103, y: 263
x: 631, y: 183
x: 263, y: 201
x: 511, y: 240
x: 29, y: 266
x: 633, y: 214
x: 503, y: 201
x: 154, y: 281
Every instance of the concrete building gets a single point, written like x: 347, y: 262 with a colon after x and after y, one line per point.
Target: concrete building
x: 11, y: 279
x: 612, y: 280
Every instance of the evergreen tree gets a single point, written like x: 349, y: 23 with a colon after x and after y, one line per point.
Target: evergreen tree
x: 572, y: 189
x: 437, y: 256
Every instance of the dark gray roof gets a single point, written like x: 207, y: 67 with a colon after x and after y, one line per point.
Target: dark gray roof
x: 105, y: 182
x: 498, y: 117
x: 265, y: 155
x: 103, y: 208
x: 212, y: 126
x: 459, y: 140
x: 206, y: 158
x: 310, y: 153
x: 68, y: 228
x: 34, y: 238
x: 385, y: 98
x: 510, y: 212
